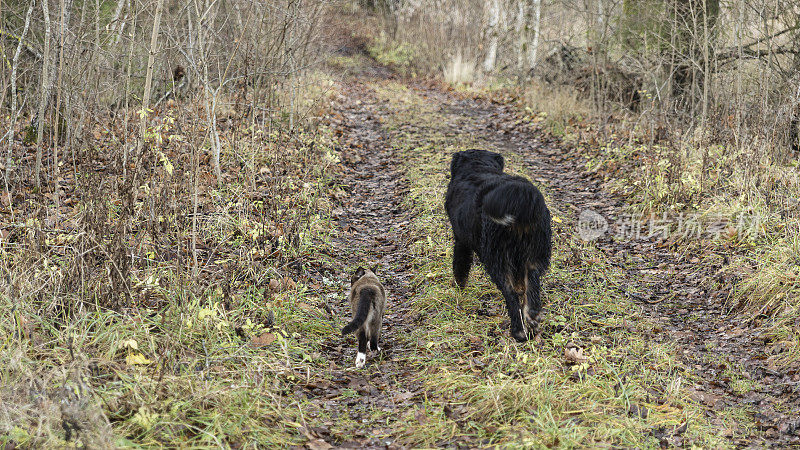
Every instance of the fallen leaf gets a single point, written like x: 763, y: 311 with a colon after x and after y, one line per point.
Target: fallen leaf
x: 131, y: 344
x: 274, y: 284
x: 136, y: 359
x: 574, y: 354
x: 404, y: 396
x: 266, y: 338
x: 318, y: 444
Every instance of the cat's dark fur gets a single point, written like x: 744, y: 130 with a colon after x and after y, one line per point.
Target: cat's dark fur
x: 367, y: 301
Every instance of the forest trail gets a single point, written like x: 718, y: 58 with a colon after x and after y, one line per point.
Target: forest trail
x: 668, y: 363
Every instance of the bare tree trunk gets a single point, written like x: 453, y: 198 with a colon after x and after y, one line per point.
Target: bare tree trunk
x: 493, y: 34
x: 520, y: 31
x: 738, y: 27
x: 209, y: 94
x: 4, y: 87
x: 66, y: 7
x: 535, y: 27
x: 693, y: 44
x: 129, y: 70
x: 14, y: 69
x: 45, y: 94
x: 15, y: 61
x: 115, y: 24
x: 148, y: 81
x: 706, y: 65
x: 14, y: 111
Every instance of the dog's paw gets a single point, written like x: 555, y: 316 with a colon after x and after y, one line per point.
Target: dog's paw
x: 519, y: 335
x: 532, y: 323
x: 361, y: 358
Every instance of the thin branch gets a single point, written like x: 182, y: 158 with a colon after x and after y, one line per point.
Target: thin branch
x: 730, y: 53
x: 21, y: 40
x: 755, y: 54
x: 148, y: 83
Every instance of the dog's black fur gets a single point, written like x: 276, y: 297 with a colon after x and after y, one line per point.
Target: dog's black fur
x: 504, y: 220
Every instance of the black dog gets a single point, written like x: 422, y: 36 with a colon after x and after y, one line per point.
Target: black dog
x: 504, y: 220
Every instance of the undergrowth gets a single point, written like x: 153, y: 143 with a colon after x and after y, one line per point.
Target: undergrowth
x: 214, y: 322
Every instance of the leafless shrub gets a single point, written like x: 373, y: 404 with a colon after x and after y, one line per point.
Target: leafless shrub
x: 119, y: 114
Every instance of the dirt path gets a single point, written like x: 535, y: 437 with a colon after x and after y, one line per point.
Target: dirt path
x: 373, y: 229
x: 685, y: 300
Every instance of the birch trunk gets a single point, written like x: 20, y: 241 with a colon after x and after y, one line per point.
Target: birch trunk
x: 519, y: 30
x: 534, y: 28
x: 148, y: 82
x: 46, y: 87
x: 210, y: 95
x: 115, y: 24
x: 493, y: 34
x: 66, y: 7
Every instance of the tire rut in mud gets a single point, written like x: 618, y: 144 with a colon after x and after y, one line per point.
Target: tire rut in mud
x: 373, y: 228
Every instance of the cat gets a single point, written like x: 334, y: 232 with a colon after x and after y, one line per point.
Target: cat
x: 367, y: 301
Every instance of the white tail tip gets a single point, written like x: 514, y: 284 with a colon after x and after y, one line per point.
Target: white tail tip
x: 361, y: 358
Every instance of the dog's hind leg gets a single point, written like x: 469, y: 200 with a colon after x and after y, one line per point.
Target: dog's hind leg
x: 533, y: 305
x: 462, y: 262
x: 512, y: 297
x: 515, y: 314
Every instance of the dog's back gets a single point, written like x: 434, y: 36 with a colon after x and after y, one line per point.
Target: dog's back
x: 483, y: 200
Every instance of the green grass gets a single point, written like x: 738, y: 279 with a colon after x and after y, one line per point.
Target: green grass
x: 400, y: 56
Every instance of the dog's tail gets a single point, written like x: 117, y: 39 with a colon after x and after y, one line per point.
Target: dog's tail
x: 365, y: 299
x: 516, y: 203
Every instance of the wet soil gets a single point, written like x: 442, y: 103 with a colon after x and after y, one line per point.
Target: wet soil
x: 374, y: 229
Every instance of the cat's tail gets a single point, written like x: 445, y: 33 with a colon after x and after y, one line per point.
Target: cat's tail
x: 365, y: 299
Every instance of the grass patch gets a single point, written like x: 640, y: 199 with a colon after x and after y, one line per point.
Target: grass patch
x: 387, y: 52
